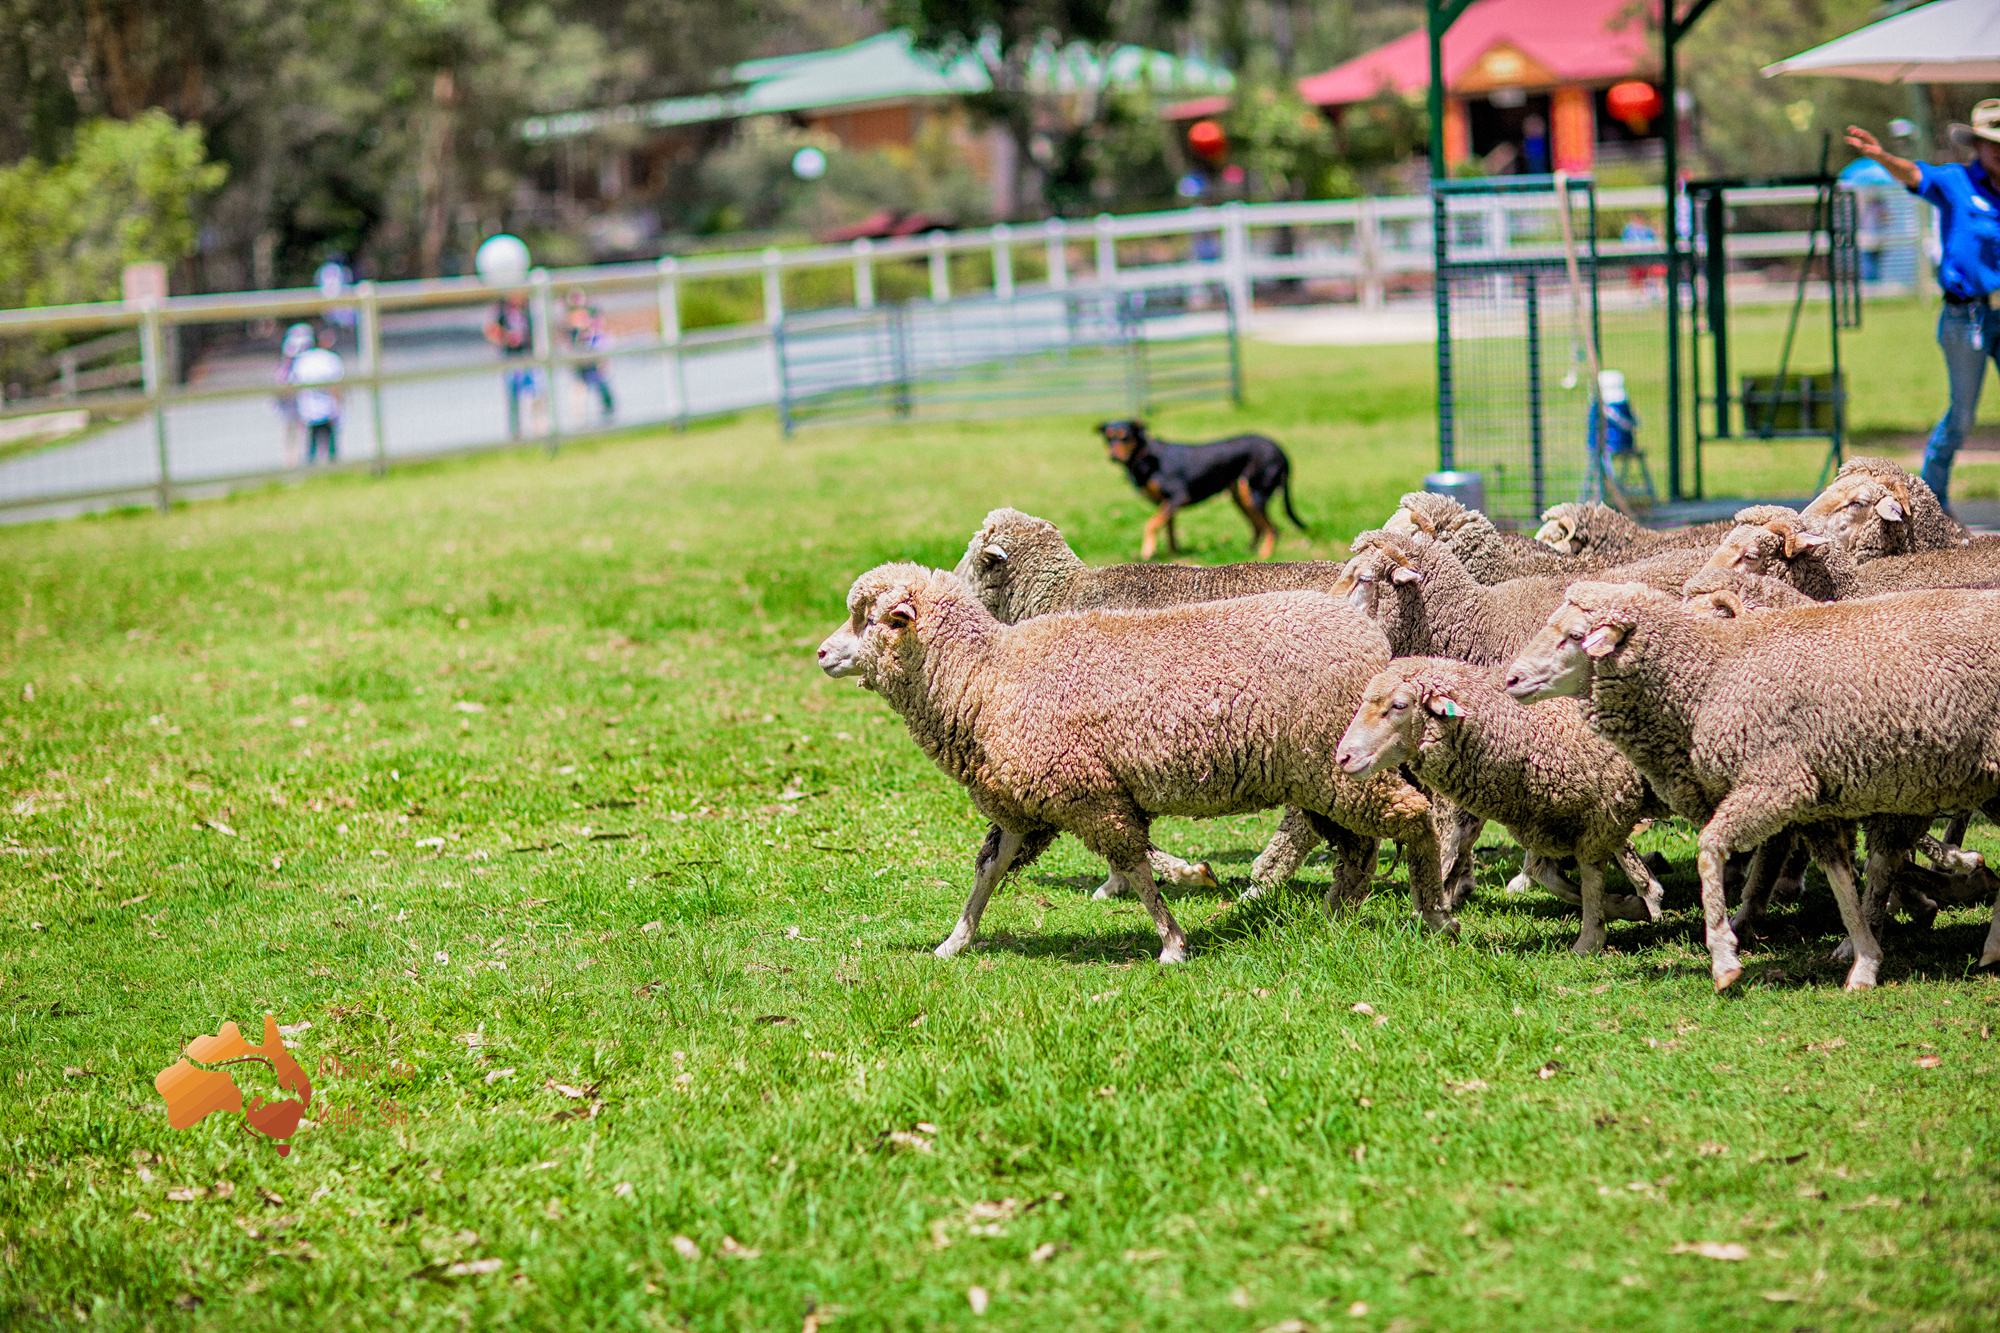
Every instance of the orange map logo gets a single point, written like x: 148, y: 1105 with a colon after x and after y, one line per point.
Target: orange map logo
x: 193, y: 1092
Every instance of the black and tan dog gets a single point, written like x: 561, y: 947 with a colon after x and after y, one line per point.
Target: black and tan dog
x: 1252, y: 468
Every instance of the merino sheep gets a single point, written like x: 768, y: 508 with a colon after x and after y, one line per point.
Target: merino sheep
x: 1815, y: 718
x: 1094, y: 722
x: 1020, y: 566
x: 1603, y: 536
x: 1488, y: 554
x: 1875, y: 508
x: 1540, y: 772
x: 1790, y: 546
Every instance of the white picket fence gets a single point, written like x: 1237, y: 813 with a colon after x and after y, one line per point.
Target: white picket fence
x: 154, y: 438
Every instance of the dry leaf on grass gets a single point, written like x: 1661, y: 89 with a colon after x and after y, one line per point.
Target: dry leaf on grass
x: 495, y: 1075
x: 686, y: 1249
x: 1929, y: 1061
x: 622, y: 1190
x: 475, y: 1267
x: 977, y: 1298
x: 733, y: 1249
x: 1711, y: 1249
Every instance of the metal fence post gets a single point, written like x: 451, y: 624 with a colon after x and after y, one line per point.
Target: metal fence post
x: 1107, y: 252
x: 774, y: 287
x: 1058, y: 253
x: 669, y: 300
x: 1368, y: 245
x: 864, y: 274
x: 545, y: 352
x: 153, y: 368
x: 1003, y: 262
x: 371, y: 367
x: 940, y: 269
x: 1236, y: 259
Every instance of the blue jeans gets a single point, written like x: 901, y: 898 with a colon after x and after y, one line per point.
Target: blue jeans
x: 1965, y: 363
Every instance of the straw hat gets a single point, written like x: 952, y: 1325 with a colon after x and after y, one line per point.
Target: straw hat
x: 1985, y: 125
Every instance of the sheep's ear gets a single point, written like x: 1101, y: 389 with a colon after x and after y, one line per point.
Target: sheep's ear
x: 1726, y: 604
x: 1404, y: 574
x: 995, y: 550
x: 1888, y: 510
x: 900, y: 615
x: 1421, y: 521
x: 1798, y: 539
x: 1602, y: 641
x: 1443, y: 705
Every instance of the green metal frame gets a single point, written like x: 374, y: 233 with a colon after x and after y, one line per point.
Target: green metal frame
x: 1440, y: 15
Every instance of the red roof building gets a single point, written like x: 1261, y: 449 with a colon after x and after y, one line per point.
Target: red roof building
x: 1525, y: 80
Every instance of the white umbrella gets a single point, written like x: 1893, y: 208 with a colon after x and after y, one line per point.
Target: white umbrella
x: 1946, y: 41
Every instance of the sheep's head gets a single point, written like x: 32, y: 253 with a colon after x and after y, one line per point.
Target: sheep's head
x: 1397, y: 707
x: 1380, y: 561
x: 1561, y: 528
x: 993, y: 562
x: 1865, y: 509
x: 883, y: 606
x: 1766, y: 537
x: 1590, y: 625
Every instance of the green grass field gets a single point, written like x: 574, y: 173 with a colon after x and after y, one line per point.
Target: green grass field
x: 611, y: 920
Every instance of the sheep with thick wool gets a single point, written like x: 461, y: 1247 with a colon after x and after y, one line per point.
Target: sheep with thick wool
x: 1094, y: 722
x: 1800, y: 550
x: 1600, y: 534
x: 1811, y: 718
x: 1874, y: 507
x: 1556, y: 786
x: 1020, y: 567
x: 1488, y: 554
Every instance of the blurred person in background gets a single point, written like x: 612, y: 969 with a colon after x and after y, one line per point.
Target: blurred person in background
x: 586, y: 334
x: 315, y: 373
x: 298, y: 339
x: 1966, y: 196
x: 513, y: 332
x: 333, y: 280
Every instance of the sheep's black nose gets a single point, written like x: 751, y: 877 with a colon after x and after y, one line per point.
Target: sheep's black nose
x: 1513, y: 679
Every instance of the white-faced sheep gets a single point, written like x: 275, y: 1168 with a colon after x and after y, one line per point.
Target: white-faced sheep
x: 1814, y: 718
x: 1604, y: 537
x: 1094, y: 722
x: 1488, y: 554
x: 1021, y: 567
x: 1790, y: 546
x: 1541, y: 773
x: 1875, y: 508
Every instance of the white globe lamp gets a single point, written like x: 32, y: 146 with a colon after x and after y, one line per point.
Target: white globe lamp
x: 809, y: 164
x: 502, y: 260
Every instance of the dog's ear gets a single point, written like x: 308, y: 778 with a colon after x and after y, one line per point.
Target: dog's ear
x: 1104, y: 428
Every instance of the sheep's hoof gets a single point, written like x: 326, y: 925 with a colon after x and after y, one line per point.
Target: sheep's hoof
x: 950, y: 948
x: 1253, y: 892
x: 1520, y: 883
x: 1652, y: 903
x: 1843, y: 952
x: 1442, y: 923
x: 1173, y: 953
x: 1747, y: 922
x: 1627, y: 907
x: 1861, y: 976
x: 1725, y: 977
x: 1109, y: 889
x: 1586, y: 945
x: 1991, y: 956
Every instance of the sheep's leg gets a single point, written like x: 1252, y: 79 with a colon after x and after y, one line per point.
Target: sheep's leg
x: 1833, y: 848
x: 1547, y: 872
x: 1167, y: 868
x: 1651, y: 892
x: 1173, y: 943
x: 1461, y: 874
x: 1283, y: 855
x: 1761, y: 879
x: 1358, y: 855
x: 1591, y: 938
x: 1991, y: 953
x: 996, y: 857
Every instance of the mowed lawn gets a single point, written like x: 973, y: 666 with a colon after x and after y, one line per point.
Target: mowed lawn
x: 603, y: 922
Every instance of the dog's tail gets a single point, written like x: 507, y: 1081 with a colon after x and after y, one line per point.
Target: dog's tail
x: 1291, y: 513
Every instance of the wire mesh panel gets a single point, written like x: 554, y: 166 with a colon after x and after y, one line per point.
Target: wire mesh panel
x: 1515, y: 331
x: 1077, y: 350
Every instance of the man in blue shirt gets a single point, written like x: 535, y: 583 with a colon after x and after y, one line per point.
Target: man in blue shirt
x: 1967, y: 199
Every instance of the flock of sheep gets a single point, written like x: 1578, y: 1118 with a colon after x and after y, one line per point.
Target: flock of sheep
x: 1780, y: 681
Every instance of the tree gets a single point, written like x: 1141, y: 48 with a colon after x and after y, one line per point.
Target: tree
x: 126, y: 196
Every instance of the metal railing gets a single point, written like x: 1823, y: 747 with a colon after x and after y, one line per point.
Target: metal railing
x: 1358, y: 251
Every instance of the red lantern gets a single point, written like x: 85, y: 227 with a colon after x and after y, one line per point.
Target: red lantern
x: 1207, y: 139
x: 1635, y: 103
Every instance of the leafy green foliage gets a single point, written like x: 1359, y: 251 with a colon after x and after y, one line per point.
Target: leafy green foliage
x: 126, y: 195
